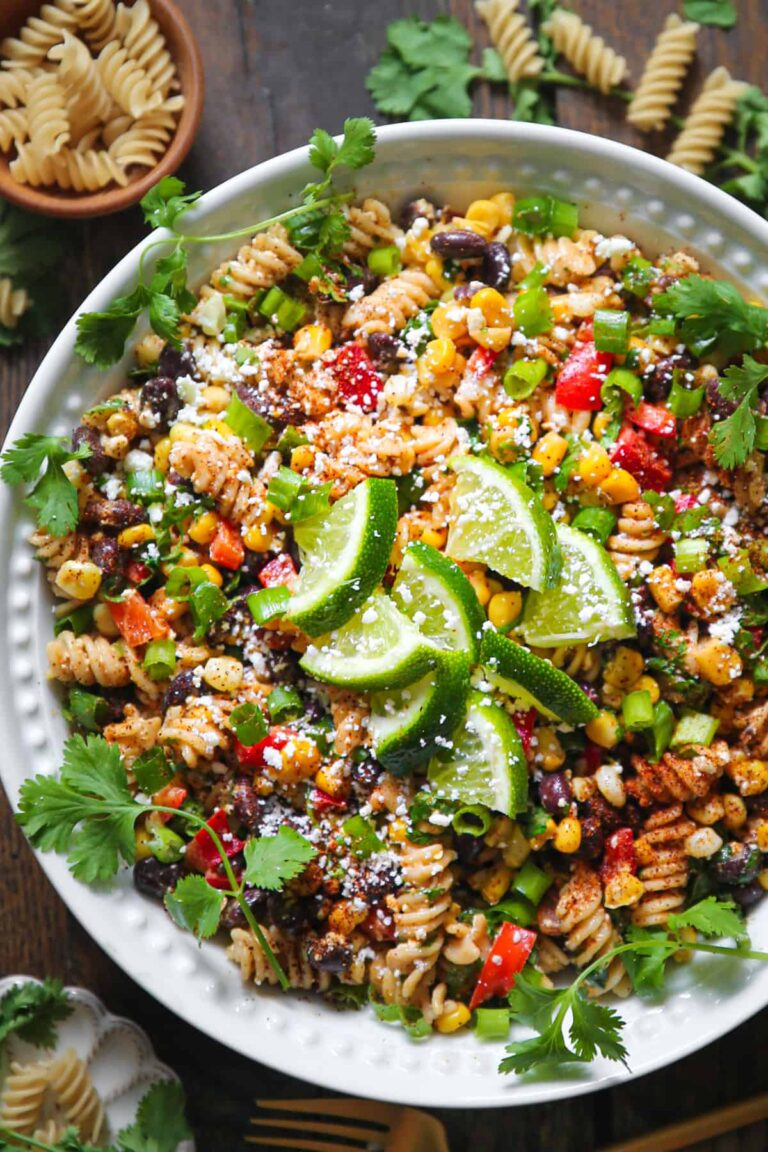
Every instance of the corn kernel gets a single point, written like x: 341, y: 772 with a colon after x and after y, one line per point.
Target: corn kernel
x: 594, y: 466
x: 550, y: 498
x: 495, y: 587
x: 169, y: 609
x: 610, y: 784
x: 79, y: 579
x: 604, y: 730
x: 550, y: 452
x: 449, y: 321
x: 204, y: 528
x: 649, y: 685
x: 186, y: 558
x: 703, y: 843
x: 345, y: 916
x: 221, y: 427
x: 434, y: 269
x: 75, y: 473
x: 312, y: 340
x: 538, y: 842
x: 504, y: 608
x: 548, y: 751
x: 142, y: 840
x: 749, y: 776
x: 624, y: 669
x: 439, y: 354
x: 663, y: 586
x: 496, y: 883
x: 435, y: 537
x: 212, y: 574
x: 717, y: 662
x: 762, y: 837
x: 622, y: 890
x: 493, y: 307
x: 137, y: 534
x: 259, y: 538
x: 619, y: 486
x: 479, y: 582
x: 331, y: 779
x: 568, y: 835
x: 214, y: 398
x: 707, y: 811
x: 223, y: 673
x: 454, y: 1019
x: 397, y: 831
x: 762, y: 879
x: 495, y: 339
x: 479, y: 226
x: 162, y: 452
x: 486, y: 212
x: 105, y: 624
x: 685, y: 955
x: 148, y: 349
x: 713, y: 591
x: 601, y: 423
x: 735, y: 812
x: 122, y: 423
x: 182, y: 431
x: 505, y: 203
x: 303, y: 457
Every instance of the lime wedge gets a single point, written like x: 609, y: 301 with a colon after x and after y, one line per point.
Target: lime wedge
x: 378, y: 648
x: 536, y: 682
x: 486, y: 764
x: 412, y: 724
x: 590, y: 603
x: 499, y: 521
x: 435, y: 594
x: 344, y: 554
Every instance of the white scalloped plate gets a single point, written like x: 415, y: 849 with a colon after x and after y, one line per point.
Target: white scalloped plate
x: 619, y: 189
x: 120, y: 1058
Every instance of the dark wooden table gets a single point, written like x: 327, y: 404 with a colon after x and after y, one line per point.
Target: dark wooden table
x: 276, y: 69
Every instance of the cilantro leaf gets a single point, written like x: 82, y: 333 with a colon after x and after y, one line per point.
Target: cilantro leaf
x: 718, y: 13
x: 32, y: 1010
x: 166, y: 201
x: 647, y: 968
x: 547, y: 1049
x: 493, y: 68
x: 160, y: 1124
x: 355, y: 151
x: 101, y: 336
x: 712, y: 315
x: 362, y: 837
x: 424, y: 73
x: 530, y: 105
x: 711, y: 917
x: 734, y: 437
x: 596, y: 1028
x: 531, y: 1002
x: 272, y: 860
x: 195, y: 905
x: 53, y: 497
x: 152, y: 770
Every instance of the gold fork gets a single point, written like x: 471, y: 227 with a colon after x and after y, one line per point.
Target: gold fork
x: 383, y: 1126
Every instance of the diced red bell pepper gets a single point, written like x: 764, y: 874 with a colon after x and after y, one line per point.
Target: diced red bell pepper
x: 252, y: 755
x: 379, y: 924
x: 280, y: 572
x: 582, y: 376
x: 226, y: 548
x: 202, y: 855
x: 137, y: 572
x: 585, y: 332
x: 525, y: 722
x: 172, y: 795
x: 757, y: 635
x: 685, y: 502
x: 633, y: 453
x: 481, y: 362
x: 593, y: 756
x: 507, y: 957
x: 136, y: 621
x: 619, y: 855
x: 654, y: 419
x: 357, y: 380
x: 218, y: 879
x: 321, y: 802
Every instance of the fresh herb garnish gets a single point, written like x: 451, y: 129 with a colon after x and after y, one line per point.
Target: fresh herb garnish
x: 718, y: 13
x: 712, y: 315
x: 32, y: 1011
x: 363, y: 841
x: 734, y: 438
x: 39, y: 460
x: 270, y: 861
x: 425, y: 72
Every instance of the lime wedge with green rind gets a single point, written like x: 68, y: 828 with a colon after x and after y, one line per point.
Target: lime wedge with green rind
x: 379, y: 648
x: 487, y: 764
x: 497, y: 520
x: 344, y: 555
x: 591, y: 603
x: 435, y: 594
x: 536, y: 682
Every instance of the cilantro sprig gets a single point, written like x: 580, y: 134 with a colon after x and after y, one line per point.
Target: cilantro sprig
x: 712, y: 316
x: 32, y: 1011
x: 40, y: 460
x: 571, y: 1028
x: 90, y: 813
x: 101, y: 336
x: 734, y: 438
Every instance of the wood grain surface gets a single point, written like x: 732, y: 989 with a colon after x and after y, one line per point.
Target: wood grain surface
x: 275, y: 69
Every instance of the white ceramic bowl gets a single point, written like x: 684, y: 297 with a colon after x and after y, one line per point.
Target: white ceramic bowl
x: 617, y: 188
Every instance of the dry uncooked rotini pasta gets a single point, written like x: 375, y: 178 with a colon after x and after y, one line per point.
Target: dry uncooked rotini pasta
x: 22, y: 1097
x: 96, y: 19
x: 76, y: 1096
x: 47, y: 119
x: 127, y: 83
x: 585, y: 52
x: 80, y: 171
x: 663, y: 75
x: 145, y: 44
x: 707, y: 121
x: 37, y: 36
x: 512, y: 38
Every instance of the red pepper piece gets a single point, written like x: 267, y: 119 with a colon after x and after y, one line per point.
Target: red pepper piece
x: 252, y: 755
x: 582, y: 376
x: 757, y: 635
x: 619, y: 855
x: 280, y: 572
x: 321, y: 802
x: 633, y: 452
x: 654, y: 419
x: 379, y: 924
x: 135, y: 620
x: 202, y: 855
x: 525, y: 722
x: 357, y: 380
x: 227, y: 548
x: 593, y: 756
x: 685, y: 502
x: 137, y: 572
x: 585, y: 332
x: 481, y: 362
x: 172, y: 795
x: 217, y: 878
x: 507, y: 957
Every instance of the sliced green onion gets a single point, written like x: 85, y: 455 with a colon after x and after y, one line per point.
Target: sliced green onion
x: 660, y: 734
x: 165, y: 844
x: 208, y: 604
x: 248, y: 724
x: 270, y: 302
x: 684, y: 401
x: 283, y: 488
x: 492, y: 1023
x: 384, y: 261
x: 532, y: 215
x: 694, y: 728
x: 760, y: 672
x: 637, y: 276
x: 160, y: 659
x: 532, y: 312
x: 472, y: 820
x: 236, y: 323
x: 516, y: 909
x: 310, y: 266
x: 599, y: 523
x: 268, y: 603
x: 661, y: 326
x: 86, y: 710
x: 738, y: 569
x: 182, y: 581
x: 761, y: 433
x: 523, y: 377
x: 663, y: 508
x: 290, y: 314
x: 245, y: 355
x: 291, y: 438
x: 691, y: 555
x: 311, y: 500
x: 621, y: 380
x: 79, y: 620
x: 535, y: 277
x: 247, y: 424
x: 563, y: 219
x: 284, y: 704
x: 237, y: 305
x: 532, y: 882
x: 611, y: 330
x: 146, y: 487
x: 637, y: 711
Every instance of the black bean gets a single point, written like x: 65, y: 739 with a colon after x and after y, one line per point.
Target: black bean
x: 246, y: 804
x: 238, y: 615
x: 384, y: 348
x: 277, y: 408
x: 463, y: 293
x: 736, y: 868
x: 113, y: 513
x: 657, y: 384
x: 365, y: 776
x: 98, y: 462
x: 175, y: 362
x: 469, y: 848
x: 293, y: 915
x: 749, y: 895
x: 592, y: 838
x: 329, y: 953
x: 154, y: 879
x: 159, y: 395
x: 718, y: 405
x: 419, y: 209
x: 184, y: 684
x: 105, y: 554
x: 369, y: 280
x: 232, y: 916
x: 555, y: 792
x: 497, y: 266
x: 461, y: 244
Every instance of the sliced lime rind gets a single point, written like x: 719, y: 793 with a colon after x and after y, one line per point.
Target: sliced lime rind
x: 435, y: 594
x: 535, y: 682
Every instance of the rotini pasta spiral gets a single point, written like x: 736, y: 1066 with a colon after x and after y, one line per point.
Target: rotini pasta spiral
x: 707, y: 121
x: 663, y: 865
x: 637, y: 538
x: 77, y: 1097
x: 250, y: 957
x: 663, y: 75
x: 267, y: 259
x: 47, y: 119
x: 145, y: 44
x: 218, y: 468
x: 588, y: 929
x: 679, y: 778
x: 392, y: 304
x: 21, y: 1101
x: 13, y: 87
x: 587, y: 53
x: 134, y: 734
x: 37, y: 36
x: 141, y: 144
x: 563, y: 259
x: 127, y: 83
x: 87, y: 660
x: 196, y: 731
x: 370, y: 225
x: 13, y: 301
x: 78, y: 72
x: 81, y: 171
x: 512, y: 38
x: 96, y: 18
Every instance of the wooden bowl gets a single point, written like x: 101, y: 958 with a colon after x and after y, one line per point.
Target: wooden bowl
x: 185, y: 52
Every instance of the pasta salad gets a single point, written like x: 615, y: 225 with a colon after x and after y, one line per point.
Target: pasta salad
x: 410, y: 610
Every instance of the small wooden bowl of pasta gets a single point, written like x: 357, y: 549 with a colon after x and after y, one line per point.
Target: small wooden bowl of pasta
x: 99, y: 100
